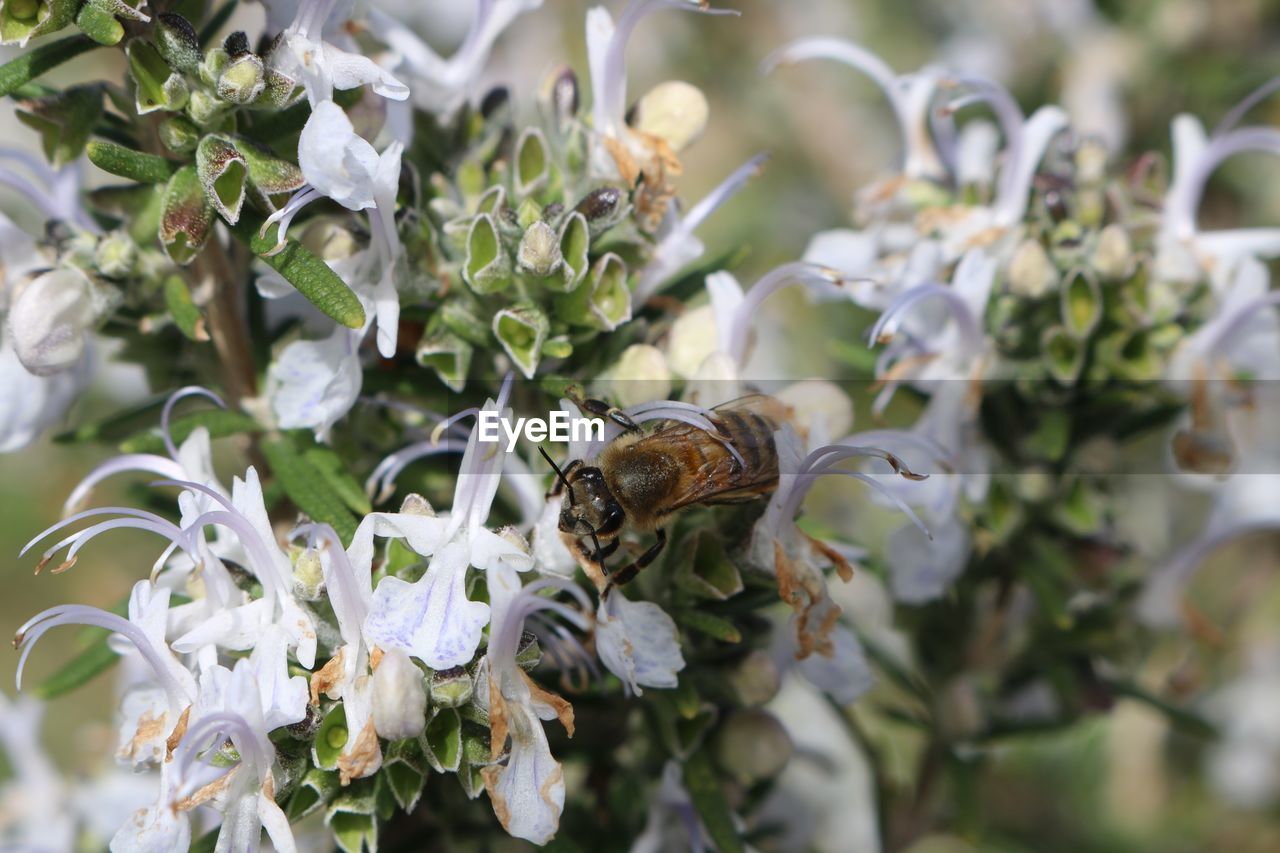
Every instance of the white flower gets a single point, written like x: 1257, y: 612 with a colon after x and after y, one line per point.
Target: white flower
x: 621, y: 151
x: 33, y: 403
x: 399, y: 697
x: 1183, y: 251
x: 50, y: 319
x: 341, y: 165
x: 321, y: 67
x: 677, y: 245
x: 443, y: 85
x: 433, y: 619
x: 527, y: 791
x: 313, y: 384
x: 778, y: 546
x: 638, y: 642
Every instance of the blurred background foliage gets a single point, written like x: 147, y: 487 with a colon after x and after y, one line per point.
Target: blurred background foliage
x: 1125, y: 780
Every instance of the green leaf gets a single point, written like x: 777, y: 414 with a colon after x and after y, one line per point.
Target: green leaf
x: 134, y: 165
x: 308, y: 488
x: 310, y: 275
x: 712, y: 626
x: 30, y: 65
x: 186, y: 316
x: 79, y: 670
x: 346, y: 487
x: 64, y: 121
x: 219, y: 422
x: 708, y: 800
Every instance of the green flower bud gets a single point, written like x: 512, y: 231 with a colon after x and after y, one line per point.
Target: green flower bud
x: 532, y: 164
x: 527, y: 213
x: 448, y: 355
x: 205, y: 109
x: 522, y: 329
x: 99, y: 24
x: 186, y: 216
x: 242, y: 80
x: 278, y: 90
x: 177, y: 42
x: 539, y: 252
x: 451, y: 688
x: 487, y: 269
x: 1031, y: 273
x: 1081, y: 303
x: 178, y: 134
x: 223, y: 174
x: 1082, y: 511
x: 23, y: 20
x: 603, y: 300
x: 1063, y: 354
x: 157, y: 86
x: 755, y: 679
x: 752, y: 746
x: 64, y: 120
x: 575, y: 253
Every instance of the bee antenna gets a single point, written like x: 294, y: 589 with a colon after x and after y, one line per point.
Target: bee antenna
x: 559, y: 474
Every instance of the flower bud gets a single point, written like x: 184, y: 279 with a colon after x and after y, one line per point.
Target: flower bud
x: 755, y: 679
x: 639, y: 375
x: 204, y: 108
x: 1031, y: 273
x: 522, y: 330
x: 451, y: 688
x: 676, y: 112
x: 820, y: 408
x: 691, y: 340
x: 532, y: 163
x: 242, y: 80
x: 49, y: 319
x: 752, y: 746
x: 486, y: 267
x: 1113, y: 254
x: 575, y: 252
x: 448, y: 355
x: 186, y: 216
x: 399, y: 697
x: 23, y: 20
x: 416, y: 504
x: 179, y: 134
x: 308, y: 575
x: 1081, y: 303
x: 603, y: 300
x: 157, y: 86
x: 539, y: 252
x: 177, y: 42
x: 1063, y: 354
x: 560, y: 93
x: 223, y: 174
x: 603, y: 208
x: 116, y: 255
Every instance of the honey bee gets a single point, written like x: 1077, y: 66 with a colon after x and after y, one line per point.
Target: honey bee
x: 641, y: 479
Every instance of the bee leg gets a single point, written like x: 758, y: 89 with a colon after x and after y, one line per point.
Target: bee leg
x: 605, y: 552
x: 627, y: 573
x: 601, y: 409
x: 557, y: 485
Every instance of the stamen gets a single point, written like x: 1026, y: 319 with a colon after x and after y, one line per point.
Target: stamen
x: 284, y: 216
x: 166, y: 413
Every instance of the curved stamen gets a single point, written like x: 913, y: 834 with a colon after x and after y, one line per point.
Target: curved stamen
x: 166, y: 413
x: 771, y: 283
x: 284, y: 216
x: 1238, y: 112
x: 178, y: 683
x: 150, y: 463
x: 967, y: 324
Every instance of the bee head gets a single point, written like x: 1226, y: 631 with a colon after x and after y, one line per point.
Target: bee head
x: 590, y: 507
